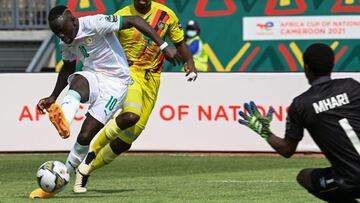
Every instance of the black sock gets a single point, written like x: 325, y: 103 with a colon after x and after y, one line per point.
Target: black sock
x: 91, y: 156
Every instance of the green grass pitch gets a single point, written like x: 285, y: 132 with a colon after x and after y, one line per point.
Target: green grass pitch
x: 169, y: 178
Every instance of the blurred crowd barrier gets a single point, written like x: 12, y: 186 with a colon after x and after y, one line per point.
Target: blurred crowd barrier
x: 24, y: 14
x: 277, y: 35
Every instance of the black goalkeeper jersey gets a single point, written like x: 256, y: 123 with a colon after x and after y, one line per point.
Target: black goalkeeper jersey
x: 330, y: 111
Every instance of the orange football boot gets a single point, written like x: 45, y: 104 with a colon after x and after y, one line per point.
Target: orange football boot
x: 41, y: 194
x: 57, y: 118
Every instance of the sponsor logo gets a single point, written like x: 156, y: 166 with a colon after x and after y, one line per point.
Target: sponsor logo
x: 111, y: 18
x: 130, y: 82
x: 268, y: 26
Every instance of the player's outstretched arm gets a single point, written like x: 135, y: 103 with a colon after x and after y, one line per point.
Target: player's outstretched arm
x: 68, y: 68
x: 61, y: 82
x: 135, y: 21
x: 189, y: 66
x: 261, y: 125
x: 286, y: 147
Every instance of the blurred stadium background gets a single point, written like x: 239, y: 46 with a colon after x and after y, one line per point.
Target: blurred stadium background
x: 255, y: 49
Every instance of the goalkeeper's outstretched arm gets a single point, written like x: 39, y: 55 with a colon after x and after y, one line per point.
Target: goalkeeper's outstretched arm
x: 261, y: 125
x: 284, y: 146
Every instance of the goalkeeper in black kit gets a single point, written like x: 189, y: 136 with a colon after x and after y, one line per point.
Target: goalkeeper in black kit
x: 330, y: 111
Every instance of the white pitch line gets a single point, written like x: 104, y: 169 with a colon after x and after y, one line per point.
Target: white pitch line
x: 250, y: 181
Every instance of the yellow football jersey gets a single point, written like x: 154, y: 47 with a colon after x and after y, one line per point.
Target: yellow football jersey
x: 141, y: 51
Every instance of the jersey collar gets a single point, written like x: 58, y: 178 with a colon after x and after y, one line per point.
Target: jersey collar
x: 320, y: 80
x: 140, y: 14
x: 79, y: 33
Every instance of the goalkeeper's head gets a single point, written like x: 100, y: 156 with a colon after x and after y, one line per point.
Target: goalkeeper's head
x: 63, y: 23
x: 319, y: 61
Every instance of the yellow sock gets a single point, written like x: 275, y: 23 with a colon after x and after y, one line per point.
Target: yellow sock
x: 110, y: 132
x: 130, y: 134
x: 105, y: 156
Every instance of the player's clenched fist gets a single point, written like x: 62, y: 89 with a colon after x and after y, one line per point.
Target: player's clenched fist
x: 191, y: 72
x: 172, y: 55
x: 45, y: 103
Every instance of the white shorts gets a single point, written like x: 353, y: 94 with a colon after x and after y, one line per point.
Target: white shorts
x: 107, y: 94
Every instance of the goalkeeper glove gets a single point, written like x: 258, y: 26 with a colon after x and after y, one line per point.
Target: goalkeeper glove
x: 254, y: 120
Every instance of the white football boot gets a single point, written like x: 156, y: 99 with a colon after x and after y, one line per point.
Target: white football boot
x: 83, y: 173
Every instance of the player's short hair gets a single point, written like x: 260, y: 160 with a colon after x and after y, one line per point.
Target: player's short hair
x: 56, y: 12
x: 320, y: 58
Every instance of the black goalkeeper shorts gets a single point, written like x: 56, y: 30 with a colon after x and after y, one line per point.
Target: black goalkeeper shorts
x: 326, y: 188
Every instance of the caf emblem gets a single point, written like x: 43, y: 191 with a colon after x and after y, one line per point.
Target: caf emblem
x: 88, y: 41
x: 161, y: 25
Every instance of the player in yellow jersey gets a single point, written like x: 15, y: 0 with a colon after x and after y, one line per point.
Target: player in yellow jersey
x: 146, y: 62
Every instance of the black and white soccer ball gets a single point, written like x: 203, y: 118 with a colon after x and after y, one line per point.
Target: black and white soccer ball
x: 52, y: 176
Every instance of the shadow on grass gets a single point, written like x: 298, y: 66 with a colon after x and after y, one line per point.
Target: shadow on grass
x: 64, y: 197
x: 111, y: 191
x: 74, y: 196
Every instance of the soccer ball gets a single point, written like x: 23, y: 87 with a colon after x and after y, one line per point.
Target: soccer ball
x: 52, y: 176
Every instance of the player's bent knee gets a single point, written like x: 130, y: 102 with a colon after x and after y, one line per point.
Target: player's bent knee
x: 304, y: 178
x: 81, y: 85
x: 85, y: 136
x: 118, y: 146
x: 126, y: 120
x: 300, y: 177
x: 84, y: 139
x: 132, y: 118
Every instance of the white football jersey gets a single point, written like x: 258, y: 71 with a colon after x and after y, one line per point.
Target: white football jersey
x: 97, y: 46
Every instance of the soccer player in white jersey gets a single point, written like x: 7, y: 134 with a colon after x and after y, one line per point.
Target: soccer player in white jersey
x: 103, y: 81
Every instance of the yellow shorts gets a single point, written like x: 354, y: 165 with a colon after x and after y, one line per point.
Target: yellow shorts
x: 142, y: 94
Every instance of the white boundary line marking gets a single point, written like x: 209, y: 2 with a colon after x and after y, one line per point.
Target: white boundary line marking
x: 251, y: 181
